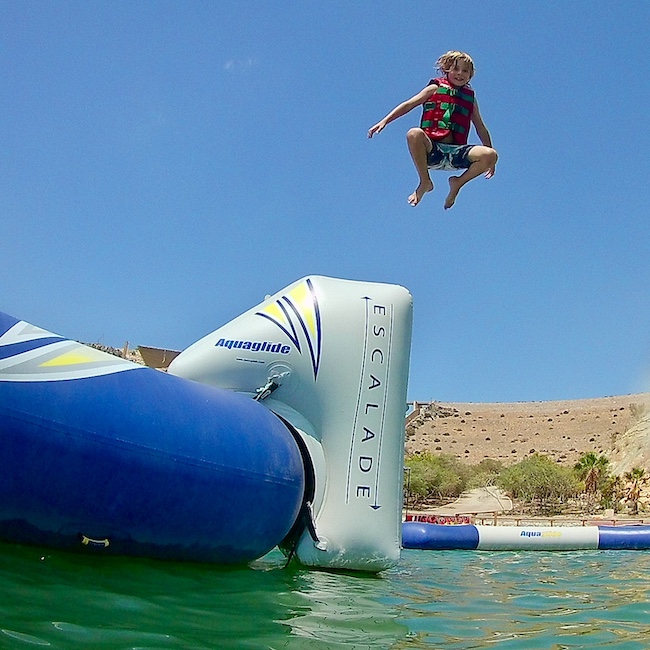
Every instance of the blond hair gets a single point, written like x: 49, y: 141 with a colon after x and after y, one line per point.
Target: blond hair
x: 448, y: 61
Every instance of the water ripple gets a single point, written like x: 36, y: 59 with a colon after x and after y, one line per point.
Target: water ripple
x: 434, y: 599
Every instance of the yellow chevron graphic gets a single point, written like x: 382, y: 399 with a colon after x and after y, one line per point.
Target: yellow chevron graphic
x: 274, y: 312
x: 68, y: 359
x: 302, y: 298
x: 297, y: 314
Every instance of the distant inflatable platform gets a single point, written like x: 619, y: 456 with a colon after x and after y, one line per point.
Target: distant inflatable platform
x: 425, y: 536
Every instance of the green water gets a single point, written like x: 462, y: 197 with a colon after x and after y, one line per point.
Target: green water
x: 452, y: 599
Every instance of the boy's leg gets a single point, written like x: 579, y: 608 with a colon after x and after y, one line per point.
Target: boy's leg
x: 481, y: 159
x: 419, y: 148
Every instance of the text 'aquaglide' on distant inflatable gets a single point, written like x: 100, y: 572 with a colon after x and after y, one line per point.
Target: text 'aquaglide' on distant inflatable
x: 284, y: 427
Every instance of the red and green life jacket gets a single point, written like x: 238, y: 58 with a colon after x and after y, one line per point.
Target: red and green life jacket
x: 448, y: 110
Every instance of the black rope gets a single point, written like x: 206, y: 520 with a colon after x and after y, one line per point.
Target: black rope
x: 305, y: 517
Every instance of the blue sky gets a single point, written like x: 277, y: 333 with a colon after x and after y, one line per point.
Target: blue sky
x: 165, y: 165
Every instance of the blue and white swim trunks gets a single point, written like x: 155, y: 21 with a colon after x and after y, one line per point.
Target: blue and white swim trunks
x: 447, y: 157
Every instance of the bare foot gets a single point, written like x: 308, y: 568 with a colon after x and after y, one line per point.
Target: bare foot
x: 454, y: 188
x: 420, y: 191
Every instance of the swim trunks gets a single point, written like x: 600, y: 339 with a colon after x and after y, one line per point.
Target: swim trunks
x: 446, y: 157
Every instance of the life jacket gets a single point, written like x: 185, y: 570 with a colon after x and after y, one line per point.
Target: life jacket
x: 448, y: 110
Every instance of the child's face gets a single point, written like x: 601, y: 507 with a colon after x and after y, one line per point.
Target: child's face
x: 460, y: 74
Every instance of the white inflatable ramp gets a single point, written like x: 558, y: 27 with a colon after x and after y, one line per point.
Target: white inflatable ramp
x: 331, y: 358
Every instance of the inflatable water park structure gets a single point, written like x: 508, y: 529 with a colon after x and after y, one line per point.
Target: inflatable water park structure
x: 285, y: 427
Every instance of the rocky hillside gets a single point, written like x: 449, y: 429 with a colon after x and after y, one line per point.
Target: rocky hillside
x: 616, y: 426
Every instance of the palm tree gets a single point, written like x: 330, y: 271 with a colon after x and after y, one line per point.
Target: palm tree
x: 613, y: 491
x: 592, y: 470
x: 636, y: 479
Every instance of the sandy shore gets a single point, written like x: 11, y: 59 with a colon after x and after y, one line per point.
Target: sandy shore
x: 509, y: 432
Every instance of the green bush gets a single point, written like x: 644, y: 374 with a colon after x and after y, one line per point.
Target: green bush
x: 435, y: 477
x: 538, y: 481
x: 484, y: 474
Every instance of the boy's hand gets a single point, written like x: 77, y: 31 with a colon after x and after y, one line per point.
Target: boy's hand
x: 376, y: 128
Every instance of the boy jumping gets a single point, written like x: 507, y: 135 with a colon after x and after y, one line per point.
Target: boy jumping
x: 449, y: 110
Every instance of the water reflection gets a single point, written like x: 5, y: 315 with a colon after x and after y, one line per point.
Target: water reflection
x: 60, y: 600
x: 332, y: 610
x: 434, y: 599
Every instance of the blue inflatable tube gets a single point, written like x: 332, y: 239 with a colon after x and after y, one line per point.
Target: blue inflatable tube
x: 103, y: 454
x: 419, y: 535
x: 624, y: 537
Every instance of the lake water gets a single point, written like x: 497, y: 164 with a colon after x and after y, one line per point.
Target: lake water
x: 434, y: 599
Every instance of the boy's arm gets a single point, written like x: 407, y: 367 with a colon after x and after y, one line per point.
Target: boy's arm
x: 483, y: 134
x: 403, y: 109
x: 481, y: 129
